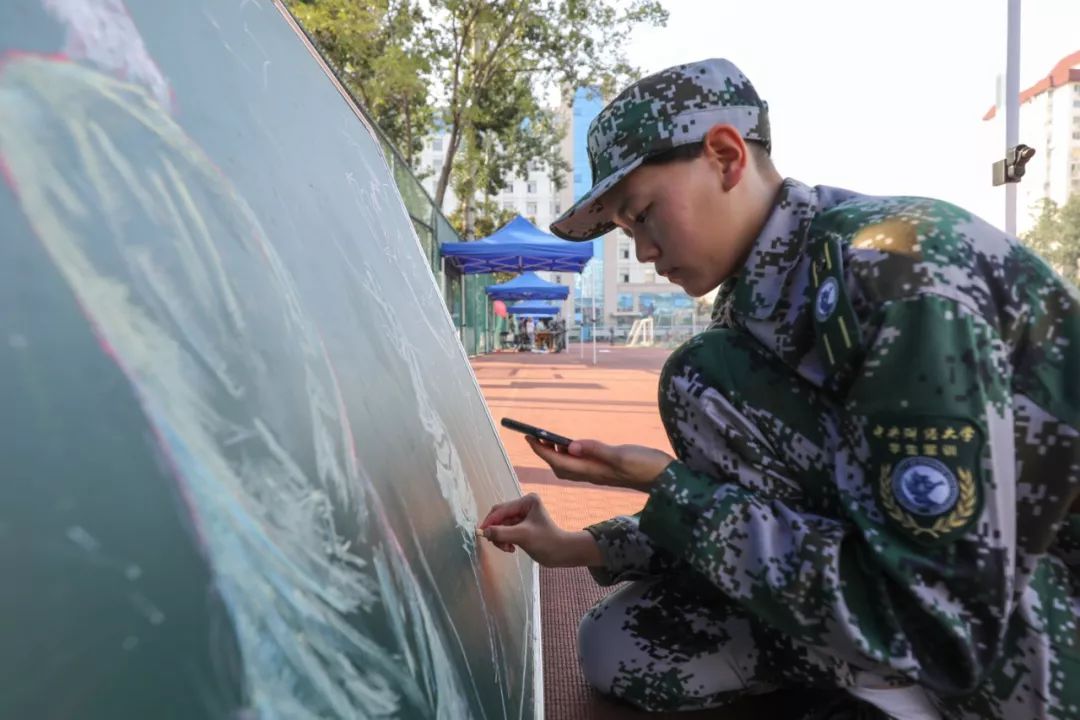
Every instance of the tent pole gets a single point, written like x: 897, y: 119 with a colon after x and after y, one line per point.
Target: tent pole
x: 593, y: 314
x: 581, y: 325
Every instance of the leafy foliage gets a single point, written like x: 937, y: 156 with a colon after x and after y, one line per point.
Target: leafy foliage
x: 1056, y: 237
x: 378, y: 50
x: 488, y: 217
x: 481, y: 69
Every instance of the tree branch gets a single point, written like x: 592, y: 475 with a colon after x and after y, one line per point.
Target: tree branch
x: 487, y: 67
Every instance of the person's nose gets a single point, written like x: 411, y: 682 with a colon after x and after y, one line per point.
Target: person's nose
x: 645, y: 249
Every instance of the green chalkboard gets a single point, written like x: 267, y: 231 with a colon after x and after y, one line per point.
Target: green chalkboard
x: 241, y: 449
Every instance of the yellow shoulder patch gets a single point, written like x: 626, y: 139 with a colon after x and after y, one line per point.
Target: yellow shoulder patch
x: 892, y: 236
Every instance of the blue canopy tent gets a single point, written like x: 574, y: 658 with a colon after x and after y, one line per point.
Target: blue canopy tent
x: 527, y: 286
x: 518, y: 246
x: 533, y: 308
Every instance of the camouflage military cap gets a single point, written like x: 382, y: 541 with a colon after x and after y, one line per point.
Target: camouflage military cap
x: 674, y: 107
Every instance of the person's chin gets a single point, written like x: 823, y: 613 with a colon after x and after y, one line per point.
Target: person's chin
x: 687, y: 284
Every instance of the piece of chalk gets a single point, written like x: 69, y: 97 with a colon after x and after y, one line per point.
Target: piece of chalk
x: 479, y: 532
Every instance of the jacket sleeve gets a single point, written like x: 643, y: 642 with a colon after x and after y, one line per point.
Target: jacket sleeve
x: 917, y: 571
x: 629, y: 554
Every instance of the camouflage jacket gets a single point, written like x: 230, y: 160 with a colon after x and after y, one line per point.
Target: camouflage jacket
x: 950, y: 352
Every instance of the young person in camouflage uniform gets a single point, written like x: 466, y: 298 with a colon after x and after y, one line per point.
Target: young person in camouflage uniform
x: 877, y: 438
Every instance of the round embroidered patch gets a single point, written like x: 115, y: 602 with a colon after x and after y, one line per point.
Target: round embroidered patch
x: 827, y: 297
x: 924, y: 486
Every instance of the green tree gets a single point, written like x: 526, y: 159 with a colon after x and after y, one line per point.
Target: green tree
x: 378, y: 50
x: 497, y: 59
x: 1056, y: 237
x: 488, y: 217
x: 491, y: 67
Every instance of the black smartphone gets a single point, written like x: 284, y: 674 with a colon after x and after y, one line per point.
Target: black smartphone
x: 536, y: 432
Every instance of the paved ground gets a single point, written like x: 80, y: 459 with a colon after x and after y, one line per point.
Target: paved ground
x: 613, y: 401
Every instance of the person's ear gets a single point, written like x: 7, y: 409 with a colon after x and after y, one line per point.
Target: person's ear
x: 725, y: 148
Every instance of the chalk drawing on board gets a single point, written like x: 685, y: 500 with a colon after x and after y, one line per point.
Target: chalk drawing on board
x: 103, y: 33
x: 263, y: 62
x: 255, y: 338
x: 373, y: 201
x: 260, y: 516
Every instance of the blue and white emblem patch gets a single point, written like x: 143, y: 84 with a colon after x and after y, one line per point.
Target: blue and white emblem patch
x: 924, y: 486
x: 928, y: 474
x: 828, y: 296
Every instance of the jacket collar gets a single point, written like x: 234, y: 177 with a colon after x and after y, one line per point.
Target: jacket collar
x: 754, y: 291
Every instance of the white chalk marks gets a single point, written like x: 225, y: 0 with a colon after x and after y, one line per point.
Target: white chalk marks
x: 276, y: 373
x: 103, y: 33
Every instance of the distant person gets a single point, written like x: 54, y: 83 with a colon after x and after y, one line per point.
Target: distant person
x: 560, y: 335
x: 877, y: 439
x: 519, y: 332
x: 530, y: 332
x: 506, y: 333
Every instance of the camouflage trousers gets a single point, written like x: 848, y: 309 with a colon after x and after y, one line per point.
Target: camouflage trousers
x: 669, y: 640
x: 669, y: 644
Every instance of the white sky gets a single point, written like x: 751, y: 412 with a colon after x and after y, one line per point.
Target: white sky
x: 879, y: 97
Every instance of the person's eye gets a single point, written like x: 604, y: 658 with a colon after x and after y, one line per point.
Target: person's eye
x: 643, y: 215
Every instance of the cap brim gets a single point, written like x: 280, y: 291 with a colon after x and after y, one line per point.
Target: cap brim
x: 590, y: 217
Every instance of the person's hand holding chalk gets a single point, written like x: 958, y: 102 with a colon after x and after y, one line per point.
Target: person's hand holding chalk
x: 525, y: 523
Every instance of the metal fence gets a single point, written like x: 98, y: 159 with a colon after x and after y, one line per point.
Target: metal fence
x: 468, y: 304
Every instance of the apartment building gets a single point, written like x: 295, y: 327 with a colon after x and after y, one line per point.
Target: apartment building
x: 1049, y: 123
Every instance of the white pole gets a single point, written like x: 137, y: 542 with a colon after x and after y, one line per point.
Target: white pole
x: 581, y: 325
x: 593, y: 314
x: 463, y: 311
x: 1012, y: 106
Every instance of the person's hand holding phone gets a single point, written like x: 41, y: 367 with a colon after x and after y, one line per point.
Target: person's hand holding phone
x: 591, y: 461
